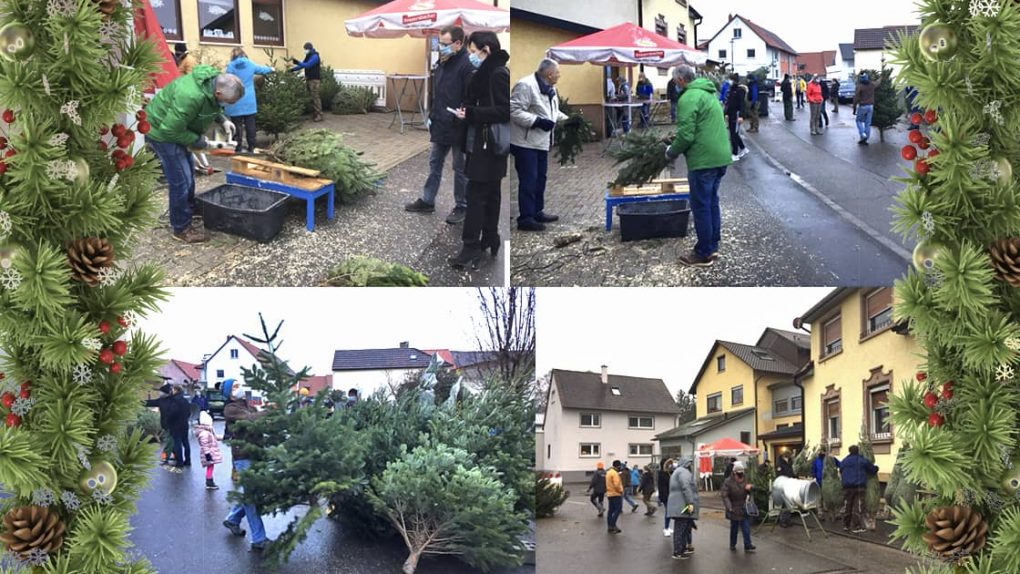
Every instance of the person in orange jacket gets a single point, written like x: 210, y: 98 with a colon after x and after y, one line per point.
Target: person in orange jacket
x: 614, y: 492
x: 815, y: 102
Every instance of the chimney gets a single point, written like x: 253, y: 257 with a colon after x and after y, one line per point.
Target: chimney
x: 605, y: 375
x: 404, y: 344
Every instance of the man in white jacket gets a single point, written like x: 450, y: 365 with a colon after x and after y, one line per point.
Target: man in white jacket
x: 534, y: 111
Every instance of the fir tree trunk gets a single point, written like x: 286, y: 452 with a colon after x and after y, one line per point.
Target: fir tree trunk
x: 411, y: 564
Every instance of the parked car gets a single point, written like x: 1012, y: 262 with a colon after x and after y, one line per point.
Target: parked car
x: 216, y: 403
x: 847, y: 88
x: 554, y: 478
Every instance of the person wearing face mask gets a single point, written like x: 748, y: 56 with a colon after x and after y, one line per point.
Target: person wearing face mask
x: 486, y: 103
x: 735, y: 491
x: 312, y: 65
x: 180, y: 114
x: 534, y: 113
x: 445, y: 130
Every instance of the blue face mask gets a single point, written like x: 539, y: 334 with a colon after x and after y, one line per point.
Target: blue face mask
x: 445, y: 51
x: 475, y: 60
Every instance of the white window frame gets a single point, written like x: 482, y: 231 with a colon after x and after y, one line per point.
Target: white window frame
x: 833, y: 436
x: 867, y: 319
x: 235, y: 354
x: 632, y: 454
x: 786, y: 407
x: 720, y: 364
x: 722, y: 54
x: 799, y: 407
x: 837, y: 344
x: 219, y: 373
x: 872, y: 411
x: 639, y: 426
x: 597, y: 451
x: 593, y: 425
x: 738, y: 33
x: 615, y: 391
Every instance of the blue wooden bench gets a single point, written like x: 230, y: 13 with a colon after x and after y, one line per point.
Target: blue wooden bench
x: 629, y: 195
x: 296, y: 182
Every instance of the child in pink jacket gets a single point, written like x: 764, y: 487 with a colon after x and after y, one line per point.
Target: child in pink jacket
x: 209, y: 447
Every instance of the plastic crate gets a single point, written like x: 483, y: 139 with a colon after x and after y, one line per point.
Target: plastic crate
x: 245, y: 211
x: 654, y: 219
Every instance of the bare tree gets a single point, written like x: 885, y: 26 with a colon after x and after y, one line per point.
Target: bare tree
x: 508, y: 315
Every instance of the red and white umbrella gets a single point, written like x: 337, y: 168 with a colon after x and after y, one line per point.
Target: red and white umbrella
x: 424, y: 18
x: 626, y: 45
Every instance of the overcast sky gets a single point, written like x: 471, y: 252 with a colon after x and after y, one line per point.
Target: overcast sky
x: 317, y: 321
x: 657, y: 333
x: 808, y: 26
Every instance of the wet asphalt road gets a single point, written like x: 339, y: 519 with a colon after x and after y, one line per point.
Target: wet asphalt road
x: 178, y: 527
x: 575, y: 540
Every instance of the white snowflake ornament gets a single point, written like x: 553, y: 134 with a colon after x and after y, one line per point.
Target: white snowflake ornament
x: 43, y: 497
x: 81, y: 374
x: 986, y: 8
x: 992, y: 109
x: 10, y: 279
x: 58, y: 140
x: 92, y: 343
x: 21, y: 406
x: 83, y: 456
x: 110, y: 275
x: 70, y: 109
x: 129, y: 319
x: 113, y: 183
x: 46, y: 85
x: 982, y: 139
x: 1004, y: 373
x: 70, y: 500
x: 101, y: 497
x: 60, y: 8
x: 928, y: 222
x: 106, y: 443
x: 36, y: 557
x: 5, y: 225
x: 108, y: 32
x: 934, y: 278
x: 1013, y: 344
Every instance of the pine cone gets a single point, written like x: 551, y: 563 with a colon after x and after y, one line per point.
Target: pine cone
x: 106, y: 6
x: 1005, y: 254
x: 955, y: 531
x: 26, y: 528
x: 88, y: 257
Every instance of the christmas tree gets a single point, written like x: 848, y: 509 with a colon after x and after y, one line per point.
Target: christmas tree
x: 959, y: 414
x: 887, y: 102
x: 73, y: 368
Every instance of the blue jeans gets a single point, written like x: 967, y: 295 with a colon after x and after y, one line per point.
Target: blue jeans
x: 182, y: 448
x: 864, y: 114
x: 179, y: 170
x: 532, y: 167
x: 437, y: 159
x: 615, y: 509
x: 672, y: 112
x: 645, y: 114
x: 258, y: 531
x: 627, y: 492
x: 745, y: 527
x: 665, y: 516
x: 704, y: 185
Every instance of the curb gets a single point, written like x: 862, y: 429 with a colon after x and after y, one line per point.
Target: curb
x: 850, y: 218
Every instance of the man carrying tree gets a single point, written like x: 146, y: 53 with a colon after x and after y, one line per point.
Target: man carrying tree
x: 445, y: 131
x: 180, y: 114
x: 701, y: 136
x: 855, y: 470
x: 312, y: 65
x: 864, y: 106
x: 238, y: 409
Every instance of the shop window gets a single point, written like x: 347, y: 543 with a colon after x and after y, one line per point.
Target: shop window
x: 168, y: 12
x: 218, y: 21
x: 267, y: 22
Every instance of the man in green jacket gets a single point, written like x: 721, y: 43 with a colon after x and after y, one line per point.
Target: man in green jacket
x: 703, y: 138
x: 180, y: 114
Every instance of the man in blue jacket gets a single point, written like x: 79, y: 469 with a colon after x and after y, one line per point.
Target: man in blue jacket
x: 818, y: 466
x: 752, y: 99
x: 855, y: 470
x: 312, y: 65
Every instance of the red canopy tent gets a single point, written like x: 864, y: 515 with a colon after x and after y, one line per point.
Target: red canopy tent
x: 726, y: 447
x: 147, y: 28
x: 626, y: 45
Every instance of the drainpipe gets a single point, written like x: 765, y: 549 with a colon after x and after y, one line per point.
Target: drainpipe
x: 758, y: 378
x: 797, y: 382
x: 641, y: 22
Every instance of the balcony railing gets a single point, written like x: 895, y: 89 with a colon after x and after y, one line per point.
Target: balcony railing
x: 877, y: 436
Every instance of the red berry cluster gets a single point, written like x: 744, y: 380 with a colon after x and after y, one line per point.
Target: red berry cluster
x: 8, y: 398
x: 109, y: 355
x: 931, y: 400
x: 8, y: 116
x: 123, y: 138
x: 910, y: 153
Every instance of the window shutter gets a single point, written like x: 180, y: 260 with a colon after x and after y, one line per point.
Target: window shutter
x: 833, y: 330
x: 879, y: 301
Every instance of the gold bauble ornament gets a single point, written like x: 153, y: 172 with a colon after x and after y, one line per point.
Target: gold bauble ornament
x: 1005, y: 170
x: 1011, y: 480
x: 82, y: 172
x: 8, y: 253
x: 102, y: 477
x: 939, y: 42
x: 926, y: 253
x: 16, y: 41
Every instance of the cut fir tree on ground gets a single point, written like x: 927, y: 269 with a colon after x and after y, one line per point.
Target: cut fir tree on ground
x: 959, y: 414
x: 72, y: 193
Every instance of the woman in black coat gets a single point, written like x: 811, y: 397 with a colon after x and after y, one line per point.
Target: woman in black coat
x: 486, y: 102
x: 662, y: 480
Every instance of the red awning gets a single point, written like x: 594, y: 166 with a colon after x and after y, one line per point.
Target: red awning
x: 147, y: 28
x: 626, y: 44
x: 421, y: 18
x: 726, y: 447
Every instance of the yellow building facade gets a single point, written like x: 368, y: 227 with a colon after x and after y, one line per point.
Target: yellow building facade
x: 860, y: 356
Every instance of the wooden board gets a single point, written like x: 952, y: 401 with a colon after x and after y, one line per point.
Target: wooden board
x: 297, y: 177
x: 657, y: 187
x: 251, y: 162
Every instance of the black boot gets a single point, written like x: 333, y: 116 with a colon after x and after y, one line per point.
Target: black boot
x: 492, y: 243
x: 210, y: 485
x: 468, y: 256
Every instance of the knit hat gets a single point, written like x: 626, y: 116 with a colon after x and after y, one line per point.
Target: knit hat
x: 308, y: 45
x: 204, y: 418
x: 165, y: 389
x: 738, y: 466
x: 227, y: 387
x: 600, y: 466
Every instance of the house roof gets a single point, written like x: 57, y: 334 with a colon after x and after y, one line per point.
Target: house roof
x: 704, y: 424
x: 760, y: 358
x: 190, y: 370
x: 463, y: 359
x: 877, y: 38
x: 380, y: 359
x: 584, y: 390
x: 788, y: 432
x: 800, y: 339
x: 816, y: 62
x: 834, y: 298
x: 263, y: 357
x: 846, y: 51
x: 770, y: 39
x: 315, y: 384
x: 445, y: 354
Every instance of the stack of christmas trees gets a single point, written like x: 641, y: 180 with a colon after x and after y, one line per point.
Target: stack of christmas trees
x: 72, y: 193
x: 959, y: 415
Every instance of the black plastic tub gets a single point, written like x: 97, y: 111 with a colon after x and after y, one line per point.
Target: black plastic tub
x: 245, y: 211
x: 654, y: 219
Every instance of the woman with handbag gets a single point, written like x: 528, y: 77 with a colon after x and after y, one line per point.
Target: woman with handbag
x: 487, y: 113
x: 735, y: 491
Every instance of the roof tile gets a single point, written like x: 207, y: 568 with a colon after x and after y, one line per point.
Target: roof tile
x: 584, y: 390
